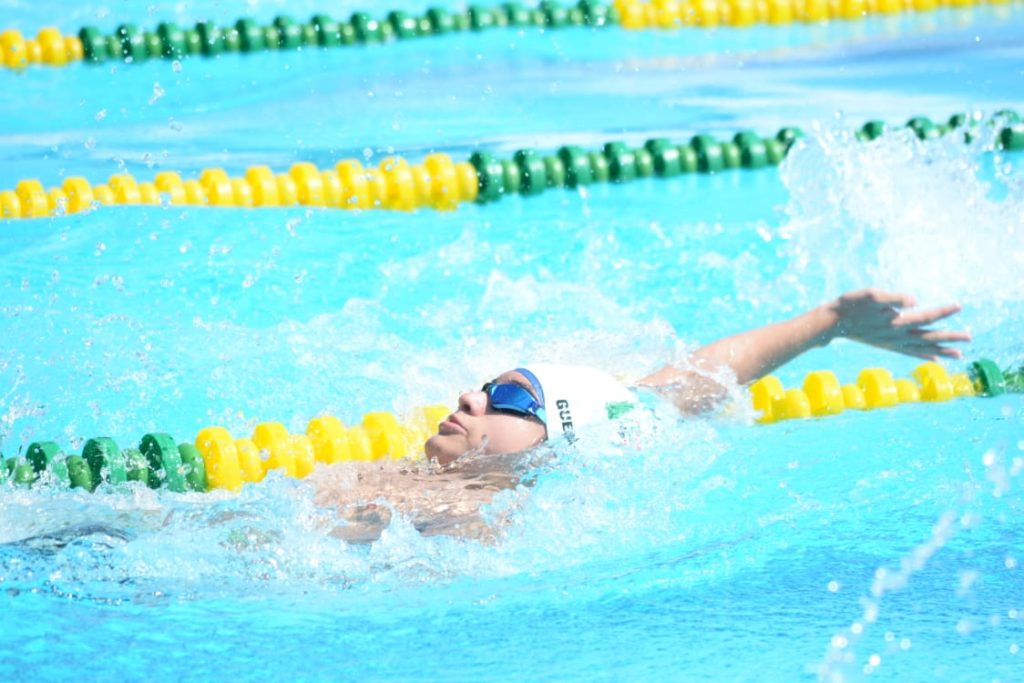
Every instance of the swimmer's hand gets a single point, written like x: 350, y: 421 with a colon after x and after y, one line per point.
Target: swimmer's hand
x: 870, y: 316
x: 883, y: 319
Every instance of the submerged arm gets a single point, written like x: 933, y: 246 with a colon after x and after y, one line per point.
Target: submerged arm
x: 364, y: 523
x: 869, y: 316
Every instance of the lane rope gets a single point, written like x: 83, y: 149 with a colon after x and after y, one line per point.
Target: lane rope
x: 440, y: 183
x: 821, y: 393
x: 132, y: 45
x: 217, y: 460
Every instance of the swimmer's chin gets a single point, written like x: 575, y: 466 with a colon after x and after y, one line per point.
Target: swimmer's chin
x: 446, y: 451
x: 440, y: 452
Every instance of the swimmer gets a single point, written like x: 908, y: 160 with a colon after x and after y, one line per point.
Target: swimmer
x: 519, y: 409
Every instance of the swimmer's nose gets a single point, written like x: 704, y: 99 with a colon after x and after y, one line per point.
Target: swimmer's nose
x: 473, y: 402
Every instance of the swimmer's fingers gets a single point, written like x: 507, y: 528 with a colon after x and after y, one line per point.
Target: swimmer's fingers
x: 924, y: 342
x: 926, y: 317
x: 931, y: 351
x: 950, y: 352
x: 887, y: 320
x: 930, y: 344
x: 941, y: 336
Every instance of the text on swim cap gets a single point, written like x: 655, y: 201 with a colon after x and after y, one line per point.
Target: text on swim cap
x: 564, y: 415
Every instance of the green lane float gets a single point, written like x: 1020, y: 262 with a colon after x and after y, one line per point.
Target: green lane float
x: 130, y: 44
x: 217, y: 460
x: 440, y: 183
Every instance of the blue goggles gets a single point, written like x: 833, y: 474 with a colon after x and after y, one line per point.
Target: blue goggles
x: 514, y: 399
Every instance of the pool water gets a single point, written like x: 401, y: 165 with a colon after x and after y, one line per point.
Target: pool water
x: 882, y: 544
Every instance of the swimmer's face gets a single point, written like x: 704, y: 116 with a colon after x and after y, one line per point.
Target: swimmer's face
x: 476, y: 426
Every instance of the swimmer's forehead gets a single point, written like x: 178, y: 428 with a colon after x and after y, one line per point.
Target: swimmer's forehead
x: 513, y: 377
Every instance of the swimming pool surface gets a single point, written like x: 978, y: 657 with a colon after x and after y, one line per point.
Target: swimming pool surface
x: 884, y: 544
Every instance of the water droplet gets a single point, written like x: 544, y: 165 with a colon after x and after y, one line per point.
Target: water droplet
x: 158, y: 92
x: 101, y: 114
x: 176, y: 66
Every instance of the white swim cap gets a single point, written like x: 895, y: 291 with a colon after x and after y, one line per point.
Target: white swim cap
x: 576, y: 395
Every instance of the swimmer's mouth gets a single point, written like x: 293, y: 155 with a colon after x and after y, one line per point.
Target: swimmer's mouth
x: 452, y: 425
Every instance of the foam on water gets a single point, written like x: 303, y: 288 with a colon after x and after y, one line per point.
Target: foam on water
x: 941, y: 219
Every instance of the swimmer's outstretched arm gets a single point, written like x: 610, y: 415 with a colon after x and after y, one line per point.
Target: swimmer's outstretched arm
x: 870, y: 316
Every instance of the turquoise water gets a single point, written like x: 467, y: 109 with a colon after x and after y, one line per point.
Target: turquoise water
x: 868, y: 545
